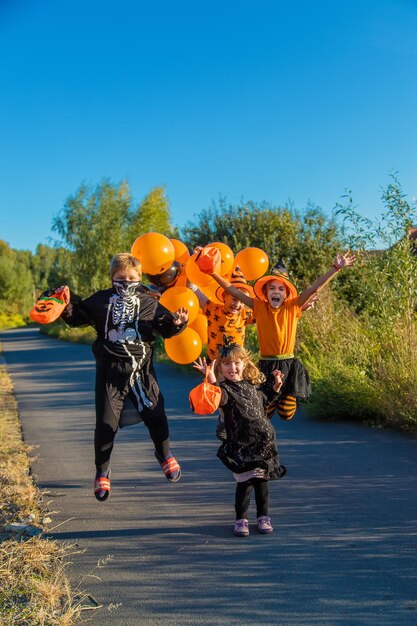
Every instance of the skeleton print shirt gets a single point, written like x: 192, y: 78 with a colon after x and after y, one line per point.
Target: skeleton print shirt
x: 126, y: 326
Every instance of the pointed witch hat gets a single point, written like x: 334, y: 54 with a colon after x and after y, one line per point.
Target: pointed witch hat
x: 238, y: 280
x: 278, y: 272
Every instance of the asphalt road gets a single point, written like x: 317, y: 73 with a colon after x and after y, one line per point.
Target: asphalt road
x: 344, y: 550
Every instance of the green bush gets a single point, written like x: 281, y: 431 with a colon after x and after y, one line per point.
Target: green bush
x: 13, y: 320
x: 359, y: 370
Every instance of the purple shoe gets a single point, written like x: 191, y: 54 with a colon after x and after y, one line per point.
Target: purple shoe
x: 241, y: 528
x: 264, y: 525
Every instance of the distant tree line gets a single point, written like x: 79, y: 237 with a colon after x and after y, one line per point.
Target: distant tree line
x: 96, y: 222
x: 360, y: 347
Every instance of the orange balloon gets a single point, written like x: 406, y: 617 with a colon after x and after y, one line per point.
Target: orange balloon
x: 182, y: 279
x: 194, y: 274
x: 155, y: 251
x: 181, y: 251
x: 176, y: 297
x: 253, y: 262
x: 210, y: 291
x: 227, y: 256
x: 185, y: 347
x: 200, y: 326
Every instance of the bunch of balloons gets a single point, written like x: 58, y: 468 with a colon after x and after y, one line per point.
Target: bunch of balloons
x: 168, y: 264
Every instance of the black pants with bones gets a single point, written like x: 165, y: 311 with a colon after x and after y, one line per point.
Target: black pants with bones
x: 108, y: 420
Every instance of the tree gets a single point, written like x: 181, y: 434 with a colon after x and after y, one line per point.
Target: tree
x: 50, y: 267
x: 384, y: 285
x: 306, y: 240
x: 97, y: 223
x: 152, y: 215
x: 16, y: 282
x: 93, y: 224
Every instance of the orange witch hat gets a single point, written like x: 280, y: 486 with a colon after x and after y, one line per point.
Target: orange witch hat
x: 238, y: 280
x: 278, y: 272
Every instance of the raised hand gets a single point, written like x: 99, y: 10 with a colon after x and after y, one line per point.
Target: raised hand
x: 63, y: 292
x: 278, y: 380
x: 200, y: 364
x: 344, y: 260
x: 182, y: 316
x: 207, y: 369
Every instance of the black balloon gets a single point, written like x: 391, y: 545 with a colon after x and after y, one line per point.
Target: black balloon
x: 167, y: 277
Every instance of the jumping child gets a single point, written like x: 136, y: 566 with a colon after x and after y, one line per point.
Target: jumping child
x: 127, y: 320
x: 250, y: 450
x: 277, y: 308
x: 225, y: 322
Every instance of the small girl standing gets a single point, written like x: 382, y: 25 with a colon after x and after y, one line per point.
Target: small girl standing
x: 250, y: 450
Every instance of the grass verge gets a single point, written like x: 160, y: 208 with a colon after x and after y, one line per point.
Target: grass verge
x: 34, y: 588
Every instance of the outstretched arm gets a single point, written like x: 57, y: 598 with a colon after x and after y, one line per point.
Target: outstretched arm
x: 310, y: 302
x: 339, y: 263
x: 234, y: 291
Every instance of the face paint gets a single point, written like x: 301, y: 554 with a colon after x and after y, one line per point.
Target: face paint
x: 126, y: 288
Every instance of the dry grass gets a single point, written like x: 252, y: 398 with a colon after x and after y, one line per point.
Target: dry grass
x: 34, y: 589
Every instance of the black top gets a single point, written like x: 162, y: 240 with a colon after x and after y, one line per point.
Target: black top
x: 122, y: 322
x: 251, y: 440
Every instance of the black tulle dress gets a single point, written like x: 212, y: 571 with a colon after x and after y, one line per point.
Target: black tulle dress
x: 251, y: 440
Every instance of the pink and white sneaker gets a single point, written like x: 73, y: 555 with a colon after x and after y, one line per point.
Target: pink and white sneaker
x: 264, y: 525
x: 241, y: 528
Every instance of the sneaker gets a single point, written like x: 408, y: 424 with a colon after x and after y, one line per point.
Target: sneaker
x: 264, y: 525
x: 102, y: 486
x: 170, y: 467
x: 221, y: 430
x: 241, y: 528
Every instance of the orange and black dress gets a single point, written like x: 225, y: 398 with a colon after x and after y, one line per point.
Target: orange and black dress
x: 276, y: 338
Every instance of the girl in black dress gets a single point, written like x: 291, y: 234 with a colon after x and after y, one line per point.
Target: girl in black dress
x: 250, y: 450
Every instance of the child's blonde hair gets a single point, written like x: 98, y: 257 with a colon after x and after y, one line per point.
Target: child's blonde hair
x: 125, y: 261
x: 233, y: 353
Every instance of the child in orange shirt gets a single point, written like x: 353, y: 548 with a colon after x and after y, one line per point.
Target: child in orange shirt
x: 226, y: 322
x: 277, y: 308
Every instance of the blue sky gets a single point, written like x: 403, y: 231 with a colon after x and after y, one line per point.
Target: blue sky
x: 269, y: 100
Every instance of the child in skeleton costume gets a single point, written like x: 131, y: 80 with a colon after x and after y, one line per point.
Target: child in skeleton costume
x: 250, y: 449
x: 127, y: 320
x: 277, y: 307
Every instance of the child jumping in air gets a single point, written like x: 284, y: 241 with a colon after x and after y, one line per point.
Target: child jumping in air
x: 277, y: 308
x: 225, y: 322
x: 228, y: 322
x: 250, y: 449
x: 127, y: 320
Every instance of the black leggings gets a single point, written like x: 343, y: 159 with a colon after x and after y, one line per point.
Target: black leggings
x: 243, y: 493
x: 107, y: 425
